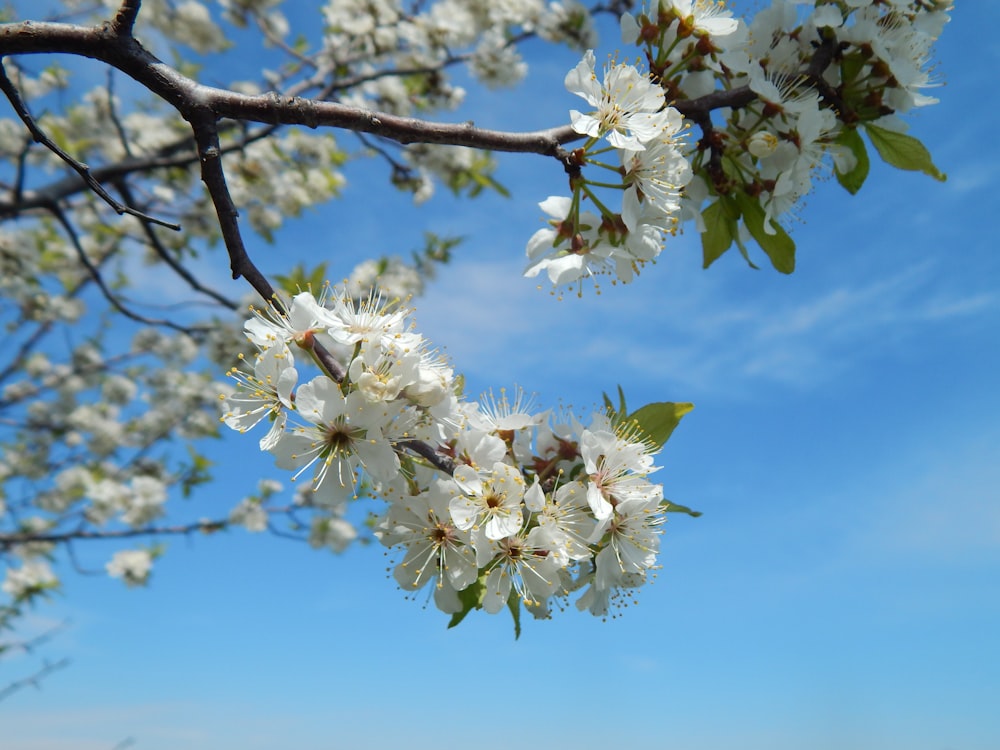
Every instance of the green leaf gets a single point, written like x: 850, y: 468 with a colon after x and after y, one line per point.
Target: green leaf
x: 903, y: 151
x: 850, y: 66
x: 615, y: 414
x: 514, y: 605
x: 471, y: 598
x: 853, y: 180
x: 300, y: 279
x: 669, y: 507
x: 779, y: 246
x: 718, y: 234
x: 197, y: 473
x: 658, y: 421
x: 745, y: 253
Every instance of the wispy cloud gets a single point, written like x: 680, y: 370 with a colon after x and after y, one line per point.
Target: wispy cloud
x: 702, y: 331
x: 946, y: 513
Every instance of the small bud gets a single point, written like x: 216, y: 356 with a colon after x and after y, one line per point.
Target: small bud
x: 762, y: 144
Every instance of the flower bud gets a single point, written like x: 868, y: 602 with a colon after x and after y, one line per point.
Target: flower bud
x: 762, y: 144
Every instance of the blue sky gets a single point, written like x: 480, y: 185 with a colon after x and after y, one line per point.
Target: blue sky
x: 842, y: 589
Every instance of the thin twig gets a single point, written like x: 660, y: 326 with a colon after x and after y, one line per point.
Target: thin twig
x: 33, y: 680
x: 31, y: 644
x: 167, y: 258
x: 425, y: 450
x: 113, y: 114
x: 8, y: 88
x: 95, y: 274
x: 22, y: 537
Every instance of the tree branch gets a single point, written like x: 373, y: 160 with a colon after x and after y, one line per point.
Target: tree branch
x: 188, y: 96
x: 174, y: 264
x: 33, y: 680
x: 95, y: 274
x: 124, y: 19
x: 23, y: 537
x: 11, y: 92
x: 206, y: 136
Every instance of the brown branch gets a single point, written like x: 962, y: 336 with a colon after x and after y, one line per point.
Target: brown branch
x: 174, y: 264
x: 113, y: 115
x: 165, y: 158
x: 425, y: 450
x: 23, y: 537
x: 29, y: 645
x: 95, y: 274
x: 33, y: 680
x: 696, y: 109
x: 206, y: 136
x: 12, y: 94
x: 188, y: 96
x: 124, y: 19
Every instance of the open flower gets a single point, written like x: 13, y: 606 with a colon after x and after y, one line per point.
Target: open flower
x: 628, y: 104
x: 524, y: 565
x: 303, y: 316
x: 266, y: 393
x: 490, y: 498
x: 435, y: 548
x: 344, y: 434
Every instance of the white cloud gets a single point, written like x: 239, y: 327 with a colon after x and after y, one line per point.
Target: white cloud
x: 701, y: 331
x: 946, y: 512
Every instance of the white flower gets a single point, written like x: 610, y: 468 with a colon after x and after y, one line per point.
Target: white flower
x: 633, y: 532
x: 707, y: 16
x: 496, y: 63
x: 266, y: 393
x: 436, y: 549
x: 656, y: 174
x: 380, y: 373
x: 524, y: 565
x: 503, y: 415
x: 33, y: 575
x: 145, y: 501
x: 762, y: 143
x: 304, y: 316
x: 616, y: 471
x: 628, y: 104
x: 390, y: 276
x: 345, y: 434
x: 568, y: 22
x: 565, y: 523
x: 332, y: 532
x: 489, y: 498
x: 479, y: 448
x: 371, y: 319
x: 782, y: 92
x: 432, y: 382
x: 567, y: 258
x: 132, y: 566
x: 250, y: 515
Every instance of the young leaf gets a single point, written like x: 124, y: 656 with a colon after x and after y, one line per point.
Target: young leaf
x: 669, y: 507
x: 514, y: 605
x: 779, y: 246
x: 718, y: 234
x: 903, y: 151
x: 300, y: 279
x: 471, y: 598
x: 658, y: 421
x: 615, y: 413
x: 853, y: 180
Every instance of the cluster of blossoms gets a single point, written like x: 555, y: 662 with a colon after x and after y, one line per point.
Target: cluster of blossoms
x: 492, y: 502
x: 798, y: 84
x: 645, y: 136
x: 483, y: 499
